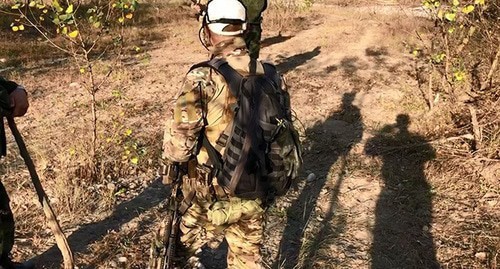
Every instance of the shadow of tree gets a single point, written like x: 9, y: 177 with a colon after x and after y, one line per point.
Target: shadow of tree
x: 402, y: 234
x: 378, y: 55
x: 329, y: 141
x: 80, y: 240
x: 297, y: 60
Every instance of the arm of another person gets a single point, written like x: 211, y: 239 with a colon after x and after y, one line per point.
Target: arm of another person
x: 18, y: 97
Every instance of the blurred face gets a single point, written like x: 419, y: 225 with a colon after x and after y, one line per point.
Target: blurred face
x: 213, y: 38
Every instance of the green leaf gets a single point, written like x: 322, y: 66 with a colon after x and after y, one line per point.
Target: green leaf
x: 134, y: 160
x: 459, y: 75
x: 40, y: 6
x: 451, y: 30
x: 32, y: 4
x: 16, y: 6
x: 479, y: 2
x: 73, y: 34
x: 21, y: 27
x: 456, y: 3
x: 128, y: 132
x: 450, y: 16
x: 97, y: 24
x: 468, y: 9
x: 57, y: 6
x: 64, y: 30
x: 15, y: 28
x: 69, y: 10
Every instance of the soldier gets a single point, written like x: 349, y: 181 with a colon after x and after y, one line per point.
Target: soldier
x: 204, y: 108
x: 252, y: 36
x: 13, y: 102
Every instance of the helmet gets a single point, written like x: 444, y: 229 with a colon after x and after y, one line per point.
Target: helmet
x: 226, y: 17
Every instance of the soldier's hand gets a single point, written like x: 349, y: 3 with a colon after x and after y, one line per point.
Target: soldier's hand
x: 19, y: 102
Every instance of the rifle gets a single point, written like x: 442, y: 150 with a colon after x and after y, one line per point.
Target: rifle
x: 163, y: 247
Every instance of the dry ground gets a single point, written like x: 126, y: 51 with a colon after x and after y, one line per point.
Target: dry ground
x: 378, y: 194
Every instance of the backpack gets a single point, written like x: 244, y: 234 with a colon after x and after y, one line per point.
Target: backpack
x: 262, y: 149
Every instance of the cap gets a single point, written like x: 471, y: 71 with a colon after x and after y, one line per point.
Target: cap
x: 226, y: 17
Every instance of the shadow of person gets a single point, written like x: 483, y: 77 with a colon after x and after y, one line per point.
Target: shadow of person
x: 401, y: 236
x: 274, y: 40
x: 81, y: 239
x: 326, y: 142
x: 297, y: 60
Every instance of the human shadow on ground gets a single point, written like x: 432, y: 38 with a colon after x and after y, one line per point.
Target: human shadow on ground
x: 269, y: 41
x: 297, y: 60
x: 402, y: 234
x: 80, y: 240
x: 328, y: 142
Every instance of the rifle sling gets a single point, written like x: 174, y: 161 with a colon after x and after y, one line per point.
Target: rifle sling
x: 186, y: 202
x: 3, y: 141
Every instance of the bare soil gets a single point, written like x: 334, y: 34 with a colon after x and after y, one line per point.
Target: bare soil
x: 373, y: 193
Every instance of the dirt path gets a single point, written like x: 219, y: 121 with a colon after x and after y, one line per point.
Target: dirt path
x: 349, y: 76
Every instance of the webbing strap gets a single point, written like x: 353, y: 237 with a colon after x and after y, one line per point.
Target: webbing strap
x: 213, y: 154
x: 187, y: 202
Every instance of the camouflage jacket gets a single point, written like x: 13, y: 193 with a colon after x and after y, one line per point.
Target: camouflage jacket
x: 254, y: 8
x: 204, y: 92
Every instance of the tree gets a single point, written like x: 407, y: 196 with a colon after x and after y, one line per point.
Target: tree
x: 86, y: 31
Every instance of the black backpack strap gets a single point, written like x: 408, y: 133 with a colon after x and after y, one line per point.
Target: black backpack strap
x: 271, y: 73
x: 231, y: 76
x: 234, y: 80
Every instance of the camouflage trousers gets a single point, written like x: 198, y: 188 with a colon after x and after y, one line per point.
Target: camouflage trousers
x: 243, y: 230
x: 6, y: 225
x: 252, y: 39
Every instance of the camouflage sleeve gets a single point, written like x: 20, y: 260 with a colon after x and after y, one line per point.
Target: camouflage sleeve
x: 187, y: 116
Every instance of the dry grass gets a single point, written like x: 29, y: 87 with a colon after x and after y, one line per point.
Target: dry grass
x: 57, y: 130
x: 285, y: 15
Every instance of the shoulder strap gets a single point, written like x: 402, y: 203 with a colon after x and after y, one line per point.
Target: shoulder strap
x: 272, y: 74
x: 232, y: 77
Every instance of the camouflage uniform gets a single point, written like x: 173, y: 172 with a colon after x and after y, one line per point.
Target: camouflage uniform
x: 6, y: 217
x: 205, y: 92
x: 254, y: 19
